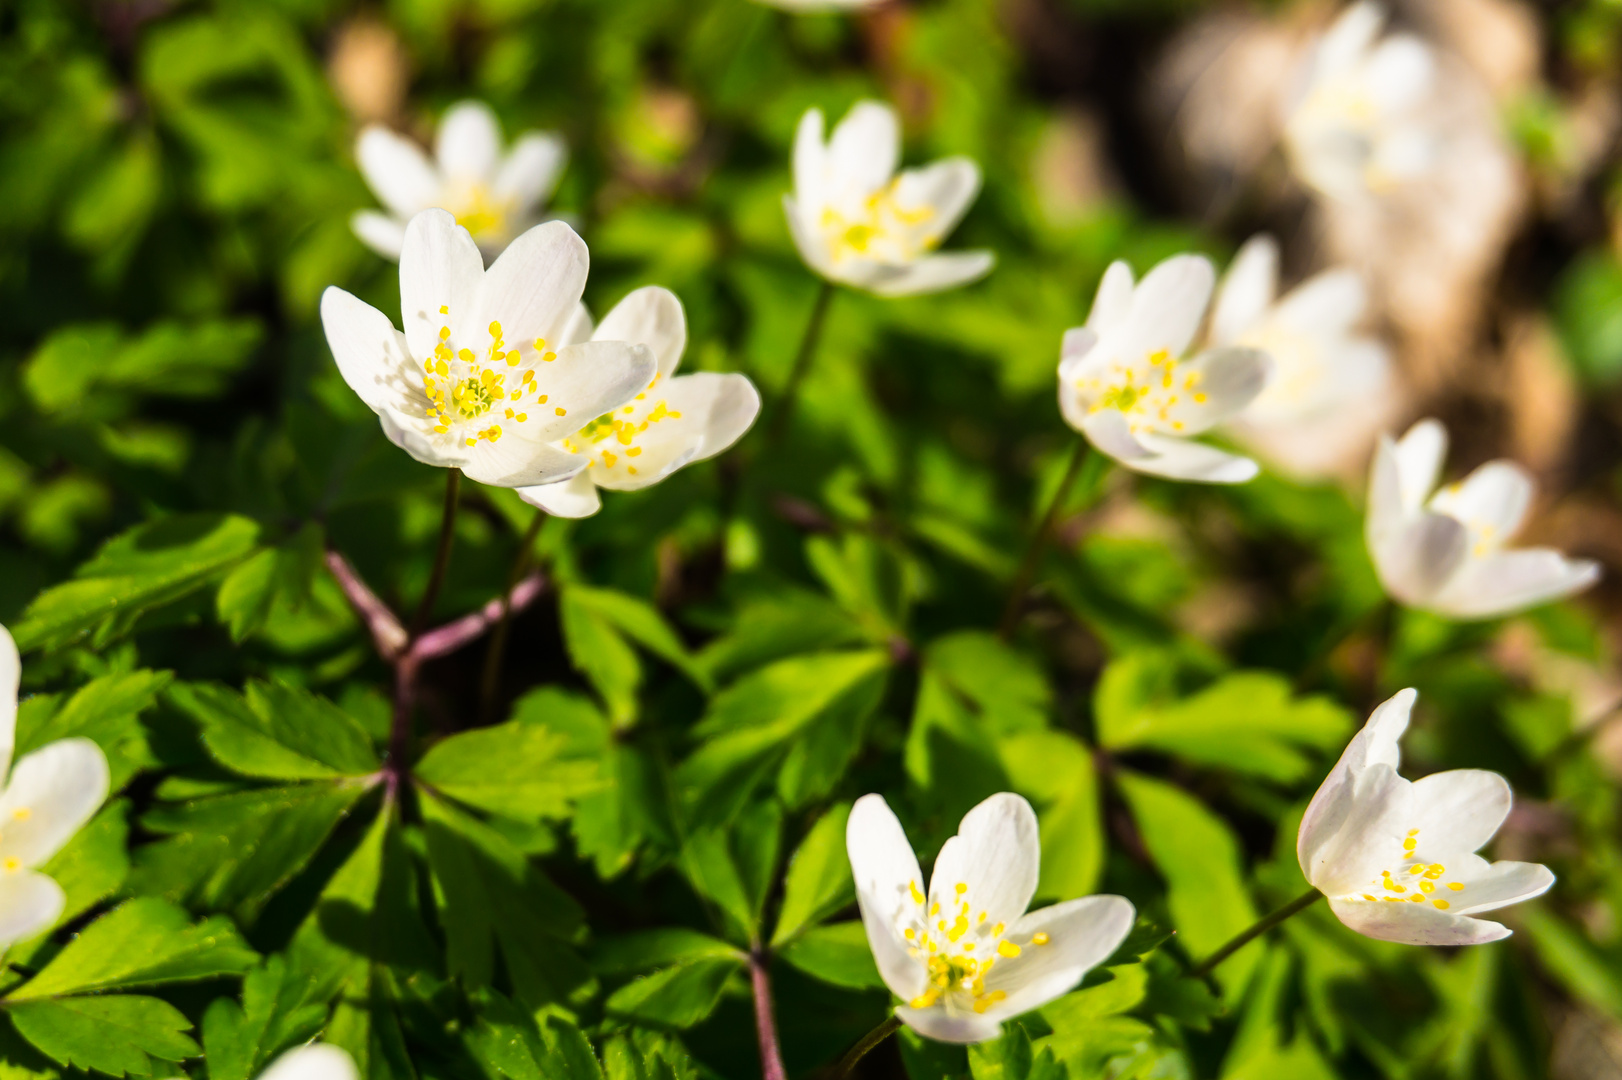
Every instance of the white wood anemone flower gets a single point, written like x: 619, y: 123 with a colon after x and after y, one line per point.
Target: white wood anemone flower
x: 313, y: 1061
x: 1397, y: 858
x: 494, y: 195
x: 480, y: 380
x: 1355, y: 125
x: 1331, y: 389
x: 1124, y: 384
x: 966, y: 955
x: 48, y: 796
x: 675, y: 421
x: 1447, y: 555
x: 857, y: 222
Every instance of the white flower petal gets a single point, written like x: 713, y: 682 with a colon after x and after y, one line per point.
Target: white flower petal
x: 734, y: 409
x: 810, y: 169
x: 1500, y: 885
x: 51, y: 794
x: 863, y: 150
x: 440, y: 266
x: 1325, y: 305
x: 1081, y: 934
x: 1509, y: 581
x: 1492, y: 501
x: 1107, y: 429
x: 1349, y: 38
x: 650, y: 316
x: 586, y: 381
x: 885, y: 871
x: 369, y: 351
x: 318, y: 1061
x: 517, y: 463
x: 529, y: 174
x: 1247, y: 290
x: 1460, y: 809
x: 1414, y: 924
x: 397, y: 171
x: 1377, y: 744
x: 714, y: 410
x: 947, y: 188
x: 408, y: 431
x: 573, y: 498
x: 1362, y: 833
x: 810, y: 244
x: 1419, y: 455
x: 1399, y: 72
x: 996, y: 854
x: 938, y: 1024
x: 468, y: 146
x: 1385, y: 511
x: 1224, y: 382
x: 380, y: 232
x: 1417, y: 557
x: 1168, y: 306
x: 30, y: 904
x: 1113, y: 301
x: 532, y: 290
x: 577, y: 327
x: 1195, y: 462
x: 934, y: 273
x: 11, y: 673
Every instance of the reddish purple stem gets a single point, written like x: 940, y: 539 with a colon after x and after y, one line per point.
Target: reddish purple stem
x: 388, y: 633
x: 458, y: 632
x: 771, y: 1054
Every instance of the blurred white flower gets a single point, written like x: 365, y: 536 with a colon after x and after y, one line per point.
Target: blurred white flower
x: 47, y: 797
x: 674, y: 421
x: 1355, y: 125
x: 494, y: 196
x: 967, y: 956
x: 1396, y: 858
x: 1448, y: 555
x: 858, y: 223
x: 1330, y: 390
x: 481, y: 380
x: 314, y: 1061
x: 1123, y: 382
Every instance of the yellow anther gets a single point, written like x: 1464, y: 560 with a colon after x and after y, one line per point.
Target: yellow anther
x: 541, y: 400
x: 444, y: 333
x: 996, y: 931
x: 442, y: 368
x: 1039, y: 938
x: 473, y: 442
x: 962, y: 888
x: 631, y: 469
x: 521, y: 417
x: 909, y: 933
x: 561, y: 411
x: 609, y: 459
x: 443, y: 310
x: 1455, y: 886
x: 495, y: 330
x: 1366, y: 896
x: 1443, y: 904
x: 549, y: 357
x: 1417, y: 868
x: 633, y: 451
x: 14, y: 863
x: 1426, y: 886
x: 1008, y: 949
x: 512, y: 358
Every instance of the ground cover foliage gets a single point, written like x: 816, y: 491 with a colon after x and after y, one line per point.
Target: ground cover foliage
x: 588, y: 872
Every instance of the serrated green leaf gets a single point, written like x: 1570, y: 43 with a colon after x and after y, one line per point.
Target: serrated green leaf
x: 118, y: 1035
x: 280, y: 575
x: 837, y: 953
x: 677, y: 997
x: 142, y: 942
x: 277, y: 732
x: 640, y: 950
x: 276, y: 1012
x: 523, y: 769
x: 642, y: 623
x: 818, y: 882
x: 106, y: 710
x: 600, y: 653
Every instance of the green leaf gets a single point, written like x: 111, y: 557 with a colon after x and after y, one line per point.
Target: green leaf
x: 143, y: 942
x: 782, y: 624
x: 1198, y: 855
x: 640, y: 950
x: 507, y: 1041
x: 837, y: 953
x: 233, y: 852
x: 1246, y: 721
x: 1588, y: 974
x: 106, y: 710
x: 1005, y: 688
x: 280, y: 575
x: 276, y: 732
x: 526, y: 768
x: 677, y: 997
x: 818, y: 882
x: 711, y: 868
x: 276, y: 1012
x: 641, y: 622
x: 94, y: 863
x: 949, y: 755
x: 600, y: 653
x: 117, y: 1035
x: 1055, y: 771
x: 168, y: 359
x: 151, y: 565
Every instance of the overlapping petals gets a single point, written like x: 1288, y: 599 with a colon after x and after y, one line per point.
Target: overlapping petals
x: 1125, y: 385
x: 495, y: 196
x: 481, y: 378
x: 1446, y: 552
x: 857, y: 223
x: 674, y: 421
x: 1397, y: 859
x: 965, y: 955
x: 316, y: 1061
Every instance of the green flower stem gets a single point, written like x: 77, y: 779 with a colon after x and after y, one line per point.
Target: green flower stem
x: 497, y: 650
x: 802, y: 364
x: 1039, y: 539
x: 891, y: 1025
x: 771, y: 1053
x: 442, y: 556
x: 1266, y: 923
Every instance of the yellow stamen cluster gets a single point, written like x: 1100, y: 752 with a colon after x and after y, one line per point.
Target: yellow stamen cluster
x: 882, y: 229
x: 1145, y: 397
x: 462, y: 386
x: 1416, y: 891
x: 622, y: 429
x: 947, y: 943
x: 479, y: 212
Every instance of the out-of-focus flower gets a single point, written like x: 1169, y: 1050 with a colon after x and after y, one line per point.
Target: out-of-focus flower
x: 47, y: 797
x: 1397, y: 858
x: 675, y: 421
x: 857, y: 222
x: 1329, y: 393
x: 368, y: 69
x: 494, y: 196
x: 821, y: 5
x: 1123, y: 382
x: 481, y: 380
x: 1448, y: 555
x: 315, y: 1061
x: 966, y: 955
x: 1356, y: 124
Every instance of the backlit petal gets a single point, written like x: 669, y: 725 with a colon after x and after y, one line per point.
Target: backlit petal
x: 947, y: 187
x: 1510, y: 581
x: 30, y: 904
x: 1415, y: 924
x: 1419, y: 556
x: 530, y: 172
x: 397, y: 171
x: 1492, y: 501
x: 1247, y: 290
x: 1195, y: 462
x: 1168, y: 306
x: 650, y: 316
x: 440, y: 266
x: 52, y: 792
x: 1459, y: 810
x: 885, y: 871
x: 368, y: 350
x: 1419, y: 454
x: 468, y: 145
x: 938, y: 1024
x: 934, y: 273
x: 573, y: 498
x: 1113, y: 301
x: 517, y: 463
x: 1081, y: 934
x: 584, y: 382
x: 532, y: 290
x: 318, y: 1061
x: 11, y: 671
x: 380, y: 232
x: 996, y: 854
x: 862, y: 152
